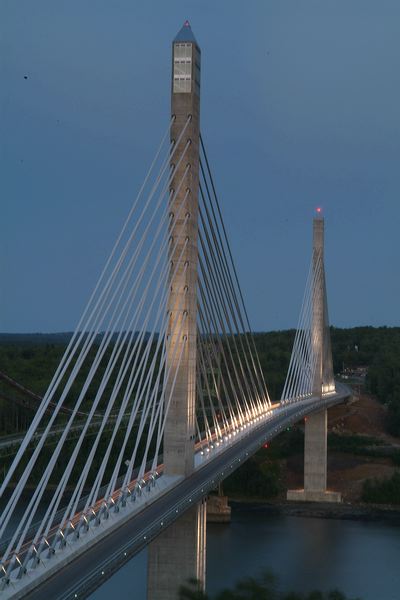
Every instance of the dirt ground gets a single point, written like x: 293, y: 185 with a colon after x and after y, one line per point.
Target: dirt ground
x: 347, y: 472
x: 363, y: 415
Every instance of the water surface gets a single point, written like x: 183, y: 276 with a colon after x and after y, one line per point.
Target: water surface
x: 360, y: 558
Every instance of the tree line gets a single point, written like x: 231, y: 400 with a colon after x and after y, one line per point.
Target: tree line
x: 32, y: 360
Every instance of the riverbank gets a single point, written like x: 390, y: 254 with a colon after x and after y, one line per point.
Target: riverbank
x: 345, y: 511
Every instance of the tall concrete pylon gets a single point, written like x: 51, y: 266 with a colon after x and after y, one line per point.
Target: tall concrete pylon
x: 185, y: 103
x: 178, y: 554
x: 316, y: 425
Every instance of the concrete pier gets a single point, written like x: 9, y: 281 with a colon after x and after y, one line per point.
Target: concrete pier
x: 218, y: 509
x: 315, y: 463
x: 178, y: 555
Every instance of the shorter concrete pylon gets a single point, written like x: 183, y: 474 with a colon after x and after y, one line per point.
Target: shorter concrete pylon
x: 316, y: 424
x: 315, y: 462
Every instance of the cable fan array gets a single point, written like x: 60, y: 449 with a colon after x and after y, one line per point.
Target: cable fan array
x: 114, y: 365
x: 306, y: 359
x: 230, y: 383
x: 115, y: 381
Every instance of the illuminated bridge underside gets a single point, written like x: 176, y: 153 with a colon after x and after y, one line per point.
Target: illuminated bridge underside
x: 107, y: 547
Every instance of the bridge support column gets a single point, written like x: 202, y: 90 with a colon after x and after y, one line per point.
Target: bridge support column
x: 315, y: 462
x: 177, y: 555
x: 316, y: 425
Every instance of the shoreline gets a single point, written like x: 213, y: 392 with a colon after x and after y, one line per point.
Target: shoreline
x: 353, y: 512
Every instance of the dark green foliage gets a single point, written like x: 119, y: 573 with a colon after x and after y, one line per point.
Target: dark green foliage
x: 386, y: 491
x: 354, y: 444
x: 288, y: 443
x: 377, y: 348
x: 396, y: 458
x: 393, y: 416
x: 360, y: 346
x: 274, y: 349
x: 259, y: 476
x: 33, y: 365
x: 192, y: 591
x: 251, y: 588
x: 32, y: 360
x: 264, y: 587
x: 383, y: 377
x: 254, y: 479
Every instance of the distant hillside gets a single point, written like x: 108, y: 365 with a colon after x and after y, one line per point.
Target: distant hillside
x: 35, y: 338
x: 39, y: 339
x: 31, y: 359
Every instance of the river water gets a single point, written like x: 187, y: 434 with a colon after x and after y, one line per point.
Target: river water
x: 360, y: 558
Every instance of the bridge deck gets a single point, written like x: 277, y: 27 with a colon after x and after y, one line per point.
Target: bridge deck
x: 101, y: 552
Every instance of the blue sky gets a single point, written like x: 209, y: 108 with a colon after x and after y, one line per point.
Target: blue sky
x: 299, y: 109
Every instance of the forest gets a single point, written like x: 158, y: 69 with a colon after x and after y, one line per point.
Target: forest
x: 263, y: 587
x: 376, y: 348
x: 31, y: 360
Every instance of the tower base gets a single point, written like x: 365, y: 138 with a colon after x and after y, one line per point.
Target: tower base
x: 178, y: 555
x: 313, y: 496
x: 315, y: 462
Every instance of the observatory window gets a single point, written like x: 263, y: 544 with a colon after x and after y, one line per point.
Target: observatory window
x: 182, y: 68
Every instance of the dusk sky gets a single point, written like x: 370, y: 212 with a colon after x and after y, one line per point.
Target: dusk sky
x: 300, y: 108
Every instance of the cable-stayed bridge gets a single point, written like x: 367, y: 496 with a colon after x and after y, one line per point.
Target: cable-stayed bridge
x: 174, y: 385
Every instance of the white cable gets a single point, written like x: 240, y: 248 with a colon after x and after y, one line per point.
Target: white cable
x: 285, y: 395
x: 18, y: 489
x: 128, y: 475
x: 61, y: 372
x: 131, y: 327
x: 128, y: 393
x: 222, y: 275
x: 137, y: 402
x: 203, y: 371
x: 216, y: 317
x: 215, y: 384
x: 231, y: 411
x: 46, y: 398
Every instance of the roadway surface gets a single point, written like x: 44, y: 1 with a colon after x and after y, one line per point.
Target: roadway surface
x: 104, y: 558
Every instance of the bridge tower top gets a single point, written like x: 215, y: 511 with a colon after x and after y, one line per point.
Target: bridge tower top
x: 185, y: 34
x: 186, y: 64
x: 318, y: 232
